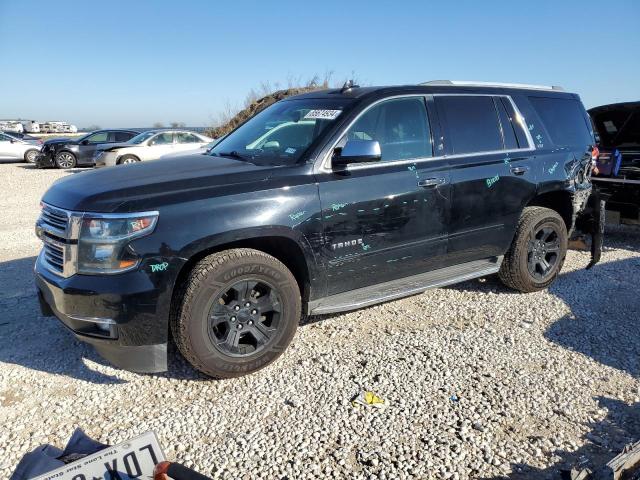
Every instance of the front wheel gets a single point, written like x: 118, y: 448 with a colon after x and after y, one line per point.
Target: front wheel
x: 65, y: 160
x: 128, y: 160
x: 537, y: 252
x: 239, y: 311
x: 30, y: 156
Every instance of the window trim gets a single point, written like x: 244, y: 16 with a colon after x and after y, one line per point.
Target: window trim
x: 325, y: 163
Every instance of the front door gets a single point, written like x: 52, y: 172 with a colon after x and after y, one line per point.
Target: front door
x: 161, y: 144
x: 492, y: 174
x: 87, y: 148
x: 7, y: 148
x: 388, y: 219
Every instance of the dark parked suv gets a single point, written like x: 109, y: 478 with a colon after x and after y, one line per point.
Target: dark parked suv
x: 69, y: 153
x: 323, y: 202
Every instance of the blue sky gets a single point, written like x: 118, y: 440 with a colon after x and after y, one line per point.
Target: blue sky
x: 133, y: 63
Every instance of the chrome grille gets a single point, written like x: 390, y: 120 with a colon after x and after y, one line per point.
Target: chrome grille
x: 56, y: 219
x: 58, y: 229
x: 54, y: 255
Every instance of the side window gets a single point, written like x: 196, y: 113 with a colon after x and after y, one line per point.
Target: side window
x: 184, y: 137
x: 401, y: 126
x: 122, y: 136
x: 564, y: 120
x: 162, y: 139
x: 4, y: 138
x: 472, y: 123
x: 100, y: 137
x: 506, y: 125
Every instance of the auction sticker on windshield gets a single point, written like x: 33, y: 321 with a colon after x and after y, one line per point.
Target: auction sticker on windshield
x: 133, y: 459
x: 323, y: 114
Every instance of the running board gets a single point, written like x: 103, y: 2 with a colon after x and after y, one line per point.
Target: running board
x: 403, y: 287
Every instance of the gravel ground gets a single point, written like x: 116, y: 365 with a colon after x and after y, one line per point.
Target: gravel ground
x: 481, y: 382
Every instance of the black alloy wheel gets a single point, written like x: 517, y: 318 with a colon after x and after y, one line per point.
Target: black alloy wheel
x: 543, y: 252
x: 245, y: 317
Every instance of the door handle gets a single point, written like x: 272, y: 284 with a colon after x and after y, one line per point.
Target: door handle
x: 519, y: 170
x: 432, y: 182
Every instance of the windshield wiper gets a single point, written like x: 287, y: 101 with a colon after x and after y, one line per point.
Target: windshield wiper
x: 233, y: 154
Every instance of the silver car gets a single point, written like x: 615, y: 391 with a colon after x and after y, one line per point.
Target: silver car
x: 15, y: 148
x: 150, y: 145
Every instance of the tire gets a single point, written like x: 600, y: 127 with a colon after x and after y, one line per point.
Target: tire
x: 30, y: 156
x: 65, y: 160
x: 217, y: 326
x: 128, y: 159
x: 541, y: 235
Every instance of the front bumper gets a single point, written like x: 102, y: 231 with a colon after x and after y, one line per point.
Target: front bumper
x: 44, y: 160
x: 125, y: 317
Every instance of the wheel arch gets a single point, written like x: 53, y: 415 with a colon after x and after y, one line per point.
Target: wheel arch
x: 560, y: 201
x: 294, y: 253
x: 120, y: 157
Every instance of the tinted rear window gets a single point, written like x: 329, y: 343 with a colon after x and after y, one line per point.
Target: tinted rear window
x: 472, y: 123
x: 563, y: 119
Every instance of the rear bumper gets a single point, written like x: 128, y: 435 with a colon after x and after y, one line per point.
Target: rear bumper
x: 121, y: 316
x: 589, y: 225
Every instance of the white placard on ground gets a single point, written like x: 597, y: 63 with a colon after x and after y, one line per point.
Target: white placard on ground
x: 135, y: 458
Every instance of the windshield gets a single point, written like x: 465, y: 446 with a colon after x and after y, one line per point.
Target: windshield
x: 281, y: 133
x: 141, y: 137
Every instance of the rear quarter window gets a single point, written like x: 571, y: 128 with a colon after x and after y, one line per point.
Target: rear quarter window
x: 564, y: 120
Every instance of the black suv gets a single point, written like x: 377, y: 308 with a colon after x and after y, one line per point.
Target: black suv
x: 323, y: 202
x: 69, y: 153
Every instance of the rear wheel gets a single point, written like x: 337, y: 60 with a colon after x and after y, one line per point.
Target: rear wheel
x: 30, y: 156
x: 537, y: 252
x: 65, y: 160
x: 128, y: 159
x: 240, y: 309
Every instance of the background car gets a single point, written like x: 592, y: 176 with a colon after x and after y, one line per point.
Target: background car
x: 13, y: 148
x: 150, y: 145
x: 68, y: 153
x: 617, y: 173
x: 24, y: 136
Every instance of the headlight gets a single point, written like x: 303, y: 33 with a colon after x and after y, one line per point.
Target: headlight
x: 103, y: 243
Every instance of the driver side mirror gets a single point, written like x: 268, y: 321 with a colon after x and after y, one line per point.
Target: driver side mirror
x: 357, y: 151
x: 84, y: 142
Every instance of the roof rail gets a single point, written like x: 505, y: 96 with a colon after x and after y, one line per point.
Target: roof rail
x: 464, y: 83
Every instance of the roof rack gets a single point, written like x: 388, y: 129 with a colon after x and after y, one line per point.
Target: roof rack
x: 465, y: 83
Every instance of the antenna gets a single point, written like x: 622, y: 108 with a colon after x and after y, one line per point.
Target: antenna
x: 348, y: 85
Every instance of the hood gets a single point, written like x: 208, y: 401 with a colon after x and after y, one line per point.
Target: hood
x: 153, y: 184
x: 54, y: 141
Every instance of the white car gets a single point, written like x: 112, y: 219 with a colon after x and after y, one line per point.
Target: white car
x: 14, y: 148
x: 150, y: 145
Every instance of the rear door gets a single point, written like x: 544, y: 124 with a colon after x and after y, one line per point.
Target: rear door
x: 492, y: 175
x: 186, y: 141
x: 385, y: 220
